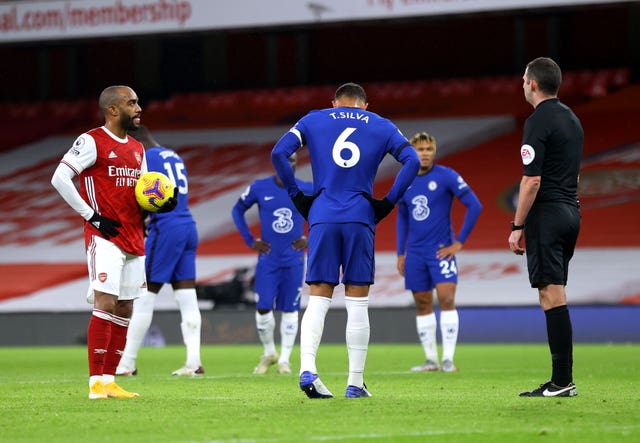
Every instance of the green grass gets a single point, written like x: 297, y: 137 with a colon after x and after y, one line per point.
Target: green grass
x: 43, y: 398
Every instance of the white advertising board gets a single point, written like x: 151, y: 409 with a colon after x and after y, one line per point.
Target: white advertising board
x: 46, y: 20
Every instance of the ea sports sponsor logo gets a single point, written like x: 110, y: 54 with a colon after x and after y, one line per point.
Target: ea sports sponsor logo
x: 527, y: 153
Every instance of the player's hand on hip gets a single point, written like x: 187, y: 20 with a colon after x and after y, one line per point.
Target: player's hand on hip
x: 381, y: 207
x: 261, y: 246
x: 299, y: 243
x: 303, y: 203
x: 106, y: 226
x: 516, y: 242
x: 171, y: 203
x: 448, y: 252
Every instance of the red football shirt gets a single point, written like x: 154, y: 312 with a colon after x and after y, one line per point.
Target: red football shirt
x: 108, y: 175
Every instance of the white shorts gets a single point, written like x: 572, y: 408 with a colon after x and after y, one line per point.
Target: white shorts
x: 113, y: 271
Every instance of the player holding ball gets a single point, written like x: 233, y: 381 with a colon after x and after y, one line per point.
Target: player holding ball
x: 108, y: 163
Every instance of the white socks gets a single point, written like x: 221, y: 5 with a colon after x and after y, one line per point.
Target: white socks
x: 288, y: 333
x: 190, y: 325
x: 449, y: 324
x: 138, y: 325
x: 357, y: 337
x: 426, y: 327
x: 311, y: 329
x: 266, y: 325
x: 141, y: 320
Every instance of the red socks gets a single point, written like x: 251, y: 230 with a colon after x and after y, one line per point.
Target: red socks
x: 106, y: 337
x: 119, y: 328
x: 98, y: 335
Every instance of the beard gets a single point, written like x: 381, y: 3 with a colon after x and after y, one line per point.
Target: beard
x: 126, y: 121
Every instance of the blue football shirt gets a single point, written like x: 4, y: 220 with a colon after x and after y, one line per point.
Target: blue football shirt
x: 280, y: 222
x: 424, y: 211
x: 168, y: 162
x: 346, y: 146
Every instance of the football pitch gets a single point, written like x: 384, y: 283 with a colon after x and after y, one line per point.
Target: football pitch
x: 43, y: 398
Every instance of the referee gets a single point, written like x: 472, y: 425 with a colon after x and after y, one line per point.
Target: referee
x: 548, y: 212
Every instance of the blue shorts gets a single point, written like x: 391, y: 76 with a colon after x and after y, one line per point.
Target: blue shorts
x: 423, y: 273
x: 333, y: 246
x: 171, y: 252
x: 278, y: 287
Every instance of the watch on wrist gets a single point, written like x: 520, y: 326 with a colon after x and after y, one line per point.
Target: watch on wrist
x: 515, y: 227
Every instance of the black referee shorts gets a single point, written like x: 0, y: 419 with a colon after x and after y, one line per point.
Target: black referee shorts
x: 550, y: 234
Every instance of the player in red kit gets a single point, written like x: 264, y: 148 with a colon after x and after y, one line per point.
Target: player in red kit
x: 109, y: 163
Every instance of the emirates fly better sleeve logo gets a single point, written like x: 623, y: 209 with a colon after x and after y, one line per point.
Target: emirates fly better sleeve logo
x: 528, y: 154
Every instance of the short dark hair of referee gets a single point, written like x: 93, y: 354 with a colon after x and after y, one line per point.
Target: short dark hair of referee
x: 547, y: 217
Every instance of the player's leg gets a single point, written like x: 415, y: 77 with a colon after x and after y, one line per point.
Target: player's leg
x: 418, y: 281
x: 98, y: 336
x: 449, y: 324
x: 322, y: 276
x: 184, y: 284
x: 357, y: 338
x: 311, y: 329
x: 288, y: 332
x: 444, y: 274
x: 139, y: 323
x: 358, y: 274
x: 265, y: 287
x: 426, y: 326
x: 191, y: 324
x: 133, y: 285
x: 103, y: 262
x: 288, y: 303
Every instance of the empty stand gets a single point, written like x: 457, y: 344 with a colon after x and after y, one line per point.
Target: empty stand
x: 25, y: 122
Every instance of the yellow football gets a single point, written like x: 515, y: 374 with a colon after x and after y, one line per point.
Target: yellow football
x: 152, y: 190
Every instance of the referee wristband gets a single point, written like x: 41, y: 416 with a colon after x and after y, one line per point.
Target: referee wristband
x: 515, y: 227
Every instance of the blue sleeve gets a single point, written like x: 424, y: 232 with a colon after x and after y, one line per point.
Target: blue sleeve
x: 306, y: 187
x: 287, y: 145
x: 402, y: 227
x: 410, y: 166
x: 474, y: 207
x: 238, y: 218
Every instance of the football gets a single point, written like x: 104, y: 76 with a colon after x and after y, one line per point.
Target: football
x: 152, y: 190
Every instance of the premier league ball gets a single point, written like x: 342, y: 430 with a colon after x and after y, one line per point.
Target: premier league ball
x: 152, y: 190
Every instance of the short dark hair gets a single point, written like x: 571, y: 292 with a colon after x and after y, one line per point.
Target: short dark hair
x: 351, y: 90
x: 423, y: 137
x: 546, y: 73
x: 109, y: 95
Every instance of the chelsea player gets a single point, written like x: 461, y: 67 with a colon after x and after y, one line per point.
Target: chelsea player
x: 346, y: 145
x: 170, y: 247
x: 425, y: 235
x: 280, y: 267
